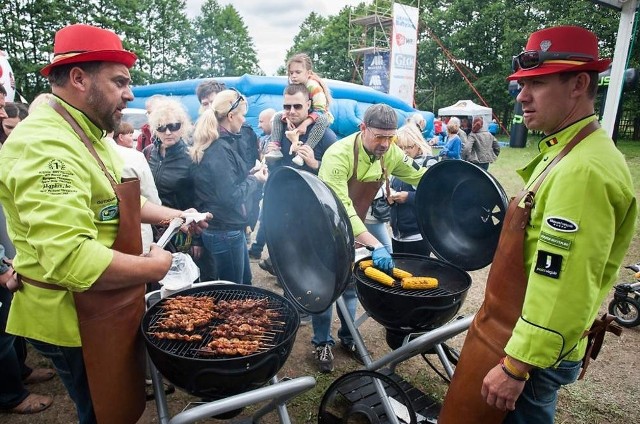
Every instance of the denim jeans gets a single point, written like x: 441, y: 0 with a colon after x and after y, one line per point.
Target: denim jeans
x: 537, y: 403
x: 229, y: 252
x: 12, y: 368
x: 69, y: 364
x: 322, y: 322
x: 381, y: 232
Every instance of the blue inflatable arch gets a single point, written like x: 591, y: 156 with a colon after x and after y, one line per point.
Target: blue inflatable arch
x: 350, y: 100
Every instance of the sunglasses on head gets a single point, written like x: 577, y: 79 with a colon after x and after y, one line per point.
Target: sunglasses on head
x: 171, y: 127
x: 531, y: 59
x: 236, y: 103
x: 296, y: 106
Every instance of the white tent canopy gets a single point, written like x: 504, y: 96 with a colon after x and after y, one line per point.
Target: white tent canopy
x: 467, y: 108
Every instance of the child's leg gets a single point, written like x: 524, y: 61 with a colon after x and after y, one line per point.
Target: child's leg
x: 278, y: 128
x: 317, y: 131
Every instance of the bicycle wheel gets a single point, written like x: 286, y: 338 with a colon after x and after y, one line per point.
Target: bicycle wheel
x: 626, y: 311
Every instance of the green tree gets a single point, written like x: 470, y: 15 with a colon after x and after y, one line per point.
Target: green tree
x: 223, y: 44
x: 165, y: 37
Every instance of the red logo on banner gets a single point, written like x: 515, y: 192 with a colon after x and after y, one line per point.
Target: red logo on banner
x: 401, y: 39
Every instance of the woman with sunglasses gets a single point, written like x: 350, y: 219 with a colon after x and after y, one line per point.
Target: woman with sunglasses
x: 171, y: 164
x: 224, y: 184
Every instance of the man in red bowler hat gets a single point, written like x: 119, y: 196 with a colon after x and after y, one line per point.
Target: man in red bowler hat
x: 562, y: 242
x: 75, y: 225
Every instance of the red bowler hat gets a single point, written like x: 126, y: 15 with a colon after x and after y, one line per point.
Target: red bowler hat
x: 85, y: 43
x: 558, y: 49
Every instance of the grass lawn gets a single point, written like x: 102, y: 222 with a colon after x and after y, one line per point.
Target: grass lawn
x: 511, y: 159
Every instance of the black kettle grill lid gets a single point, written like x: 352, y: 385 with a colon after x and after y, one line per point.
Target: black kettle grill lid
x: 460, y: 209
x: 309, y: 236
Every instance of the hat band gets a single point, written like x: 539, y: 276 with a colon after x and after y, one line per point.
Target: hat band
x: 564, y: 62
x: 63, y: 56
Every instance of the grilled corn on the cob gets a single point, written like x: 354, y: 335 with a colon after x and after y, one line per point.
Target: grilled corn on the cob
x: 401, y: 273
x: 379, y: 276
x: 366, y: 264
x: 419, y: 283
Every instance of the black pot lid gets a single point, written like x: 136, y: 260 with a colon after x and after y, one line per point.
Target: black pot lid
x: 460, y: 210
x: 309, y: 236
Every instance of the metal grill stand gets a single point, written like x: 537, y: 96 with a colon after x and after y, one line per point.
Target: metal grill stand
x: 278, y: 392
x: 431, y: 340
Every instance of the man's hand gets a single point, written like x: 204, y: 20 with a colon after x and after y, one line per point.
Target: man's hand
x: 195, y: 227
x: 306, y: 153
x: 8, y: 280
x: 262, y: 174
x: 382, y: 259
x: 501, y: 391
x: 162, y: 256
x: 400, y: 196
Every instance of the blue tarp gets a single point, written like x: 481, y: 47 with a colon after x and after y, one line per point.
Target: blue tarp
x: 348, y: 106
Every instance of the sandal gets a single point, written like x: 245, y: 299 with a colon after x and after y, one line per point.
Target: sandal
x: 32, y: 404
x: 38, y: 375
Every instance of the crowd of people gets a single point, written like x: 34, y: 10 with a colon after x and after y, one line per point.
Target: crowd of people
x: 72, y: 175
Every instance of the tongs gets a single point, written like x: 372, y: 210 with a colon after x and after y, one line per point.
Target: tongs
x: 172, y: 230
x: 176, y: 223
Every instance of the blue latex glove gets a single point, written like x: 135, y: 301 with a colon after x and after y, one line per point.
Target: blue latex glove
x: 382, y: 259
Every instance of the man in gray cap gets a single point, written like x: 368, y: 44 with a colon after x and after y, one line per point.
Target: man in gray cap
x: 355, y: 168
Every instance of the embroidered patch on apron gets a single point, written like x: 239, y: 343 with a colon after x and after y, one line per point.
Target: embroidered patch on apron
x: 548, y: 264
x: 108, y: 213
x: 562, y: 224
x: 556, y: 241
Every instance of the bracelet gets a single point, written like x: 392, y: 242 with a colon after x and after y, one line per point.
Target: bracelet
x: 511, y: 371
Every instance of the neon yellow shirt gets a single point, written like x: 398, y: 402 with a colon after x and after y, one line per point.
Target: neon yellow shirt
x: 337, y: 168
x: 62, y: 217
x: 582, y: 222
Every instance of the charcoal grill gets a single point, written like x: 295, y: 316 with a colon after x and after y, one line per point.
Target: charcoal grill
x: 413, y: 311
x: 460, y: 209
x: 227, y: 383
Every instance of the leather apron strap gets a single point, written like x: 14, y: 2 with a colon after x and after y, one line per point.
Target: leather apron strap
x: 504, y: 295
x: 362, y: 193
x: 112, y: 346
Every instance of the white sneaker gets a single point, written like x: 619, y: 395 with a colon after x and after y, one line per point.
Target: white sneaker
x: 273, y: 155
x: 298, y: 160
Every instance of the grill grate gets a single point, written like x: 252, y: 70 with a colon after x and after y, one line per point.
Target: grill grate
x: 282, y: 325
x: 444, y: 287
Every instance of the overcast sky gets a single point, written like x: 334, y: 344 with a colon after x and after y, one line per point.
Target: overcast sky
x: 272, y: 24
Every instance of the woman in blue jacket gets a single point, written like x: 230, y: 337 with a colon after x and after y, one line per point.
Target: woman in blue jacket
x: 453, y: 148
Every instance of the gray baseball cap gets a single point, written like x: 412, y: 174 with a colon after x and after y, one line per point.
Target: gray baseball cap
x: 381, y: 116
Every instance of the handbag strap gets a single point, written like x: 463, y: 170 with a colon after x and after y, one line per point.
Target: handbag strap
x: 582, y: 134
x: 85, y: 139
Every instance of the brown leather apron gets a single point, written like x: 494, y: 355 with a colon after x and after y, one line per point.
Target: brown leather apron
x: 492, y: 327
x: 112, y: 347
x: 362, y: 193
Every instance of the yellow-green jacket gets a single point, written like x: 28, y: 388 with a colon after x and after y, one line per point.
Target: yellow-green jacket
x: 62, y: 217
x: 337, y: 168
x: 582, y: 222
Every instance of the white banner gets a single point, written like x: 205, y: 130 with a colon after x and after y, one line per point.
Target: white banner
x: 404, y: 49
x: 6, y: 76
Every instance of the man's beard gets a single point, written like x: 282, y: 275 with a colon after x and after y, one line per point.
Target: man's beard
x: 101, y: 111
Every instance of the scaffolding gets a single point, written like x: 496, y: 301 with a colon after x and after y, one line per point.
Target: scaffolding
x: 369, y: 32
